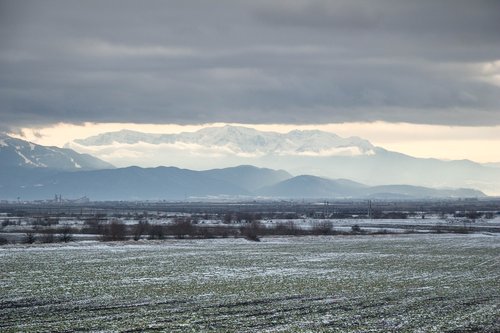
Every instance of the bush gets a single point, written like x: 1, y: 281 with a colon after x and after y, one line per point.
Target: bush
x: 29, y: 238
x: 473, y: 215
x: 286, y: 228
x: 6, y: 223
x: 139, y: 229
x: 224, y: 231
x: 322, y: 228
x: 92, y: 226
x: 461, y: 230
x: 115, y: 231
x: 228, y: 218
x: 206, y: 232
x: 182, y: 228
x: 156, y: 231
x: 66, y: 235
x: 47, y: 238
x: 251, y: 232
x: 356, y: 229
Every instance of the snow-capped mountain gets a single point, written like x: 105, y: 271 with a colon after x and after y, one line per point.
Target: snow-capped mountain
x: 32, y: 171
x: 243, y: 141
x: 19, y: 153
x: 310, y: 152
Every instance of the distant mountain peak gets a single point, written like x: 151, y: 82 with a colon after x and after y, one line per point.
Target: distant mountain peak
x: 244, y: 140
x: 306, y: 186
x: 20, y: 153
x: 311, y: 151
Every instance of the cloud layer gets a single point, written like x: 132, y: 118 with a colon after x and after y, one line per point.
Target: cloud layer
x: 192, y: 62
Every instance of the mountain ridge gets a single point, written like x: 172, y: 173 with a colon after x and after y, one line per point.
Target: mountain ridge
x: 20, y: 153
x: 313, y: 152
x: 238, y: 138
x: 52, y: 175
x: 306, y: 186
x: 172, y: 183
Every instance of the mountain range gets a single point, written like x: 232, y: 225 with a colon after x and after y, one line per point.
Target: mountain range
x: 311, y: 152
x: 30, y: 171
x: 244, y: 141
x: 170, y: 183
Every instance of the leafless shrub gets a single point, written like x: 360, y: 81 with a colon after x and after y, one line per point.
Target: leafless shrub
x: 139, y: 229
x: 114, y: 231
x: 356, y: 229
x: 252, y: 231
x: 228, y: 218
x: 47, y: 238
x: 66, y: 234
x: 7, y: 222
x: 29, y: 238
x: 157, y: 231
x: 286, y: 229
x: 206, y: 232
x: 322, y: 228
x: 92, y: 226
x: 182, y: 227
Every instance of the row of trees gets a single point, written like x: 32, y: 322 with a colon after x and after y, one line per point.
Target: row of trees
x: 185, y: 228
x: 64, y: 235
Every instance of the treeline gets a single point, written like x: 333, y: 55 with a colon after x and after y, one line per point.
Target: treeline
x: 183, y: 228
x: 189, y: 228
x: 49, y: 235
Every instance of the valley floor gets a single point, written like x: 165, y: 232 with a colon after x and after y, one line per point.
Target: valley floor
x: 406, y: 282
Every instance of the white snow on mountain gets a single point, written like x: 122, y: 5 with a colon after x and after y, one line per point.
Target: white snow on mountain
x: 309, y: 152
x: 239, y: 141
x: 20, y: 153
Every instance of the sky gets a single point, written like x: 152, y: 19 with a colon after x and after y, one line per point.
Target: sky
x: 420, y: 77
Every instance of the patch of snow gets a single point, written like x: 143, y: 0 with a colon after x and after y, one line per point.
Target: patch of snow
x: 78, y: 166
x: 26, y: 160
x: 37, y: 158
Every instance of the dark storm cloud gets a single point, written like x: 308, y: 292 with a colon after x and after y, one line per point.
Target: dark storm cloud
x: 249, y: 61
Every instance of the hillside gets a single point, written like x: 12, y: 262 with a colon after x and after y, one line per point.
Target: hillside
x: 20, y: 153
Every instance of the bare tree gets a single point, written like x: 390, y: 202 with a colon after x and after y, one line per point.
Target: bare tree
x: 157, y: 231
x: 252, y: 231
x: 140, y: 229
x: 114, y: 231
x: 286, y: 228
x: 66, y: 234
x: 29, y: 238
x: 228, y: 218
x: 322, y: 228
x: 182, y: 227
x: 356, y: 229
x: 48, y: 237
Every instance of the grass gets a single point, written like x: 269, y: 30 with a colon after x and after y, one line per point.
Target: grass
x: 427, y: 283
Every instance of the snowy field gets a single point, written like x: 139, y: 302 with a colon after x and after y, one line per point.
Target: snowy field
x: 416, y: 283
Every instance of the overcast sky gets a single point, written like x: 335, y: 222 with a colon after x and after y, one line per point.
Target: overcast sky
x: 256, y: 62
